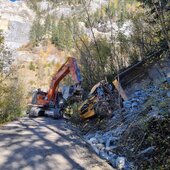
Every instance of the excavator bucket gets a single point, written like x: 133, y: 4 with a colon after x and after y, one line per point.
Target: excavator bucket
x: 72, y: 93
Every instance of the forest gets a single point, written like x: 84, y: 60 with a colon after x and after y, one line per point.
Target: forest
x: 102, y: 56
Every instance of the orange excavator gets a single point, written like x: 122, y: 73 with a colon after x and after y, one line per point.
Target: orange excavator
x: 51, y: 103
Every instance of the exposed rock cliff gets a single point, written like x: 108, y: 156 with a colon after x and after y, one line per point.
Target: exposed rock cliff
x: 15, y: 20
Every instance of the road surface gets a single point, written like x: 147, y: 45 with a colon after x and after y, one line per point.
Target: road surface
x: 45, y: 144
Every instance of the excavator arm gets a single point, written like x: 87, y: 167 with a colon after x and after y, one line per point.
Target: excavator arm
x: 69, y: 67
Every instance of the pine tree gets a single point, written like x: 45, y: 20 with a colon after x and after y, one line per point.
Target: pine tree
x: 37, y: 32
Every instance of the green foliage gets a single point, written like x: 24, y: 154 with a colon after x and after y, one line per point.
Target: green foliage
x: 5, y: 62
x: 11, y: 103
x: 100, y: 57
x: 70, y: 2
x: 73, y: 113
x: 48, y: 25
x: 155, y: 2
x: 156, y: 32
x: 158, y: 136
x: 1, y: 37
x: 41, y: 29
x: 10, y: 88
x: 62, y: 34
x: 115, y: 9
x: 33, y: 5
x: 37, y: 32
x: 32, y: 66
x: 95, y: 62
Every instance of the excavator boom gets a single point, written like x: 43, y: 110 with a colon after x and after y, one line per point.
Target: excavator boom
x: 70, y: 66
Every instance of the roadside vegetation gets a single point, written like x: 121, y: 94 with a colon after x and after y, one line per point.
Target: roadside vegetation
x: 11, y: 96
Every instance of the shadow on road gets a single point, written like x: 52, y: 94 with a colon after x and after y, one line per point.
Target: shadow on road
x: 34, y: 147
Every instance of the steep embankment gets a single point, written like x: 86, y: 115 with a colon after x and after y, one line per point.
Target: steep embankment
x: 137, y: 135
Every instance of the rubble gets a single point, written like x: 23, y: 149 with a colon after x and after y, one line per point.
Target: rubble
x: 143, y: 106
x: 121, y: 162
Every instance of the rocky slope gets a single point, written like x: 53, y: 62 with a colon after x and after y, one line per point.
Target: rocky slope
x: 15, y: 21
x: 136, y: 136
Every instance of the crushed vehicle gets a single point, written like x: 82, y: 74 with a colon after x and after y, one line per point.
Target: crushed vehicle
x: 100, y: 99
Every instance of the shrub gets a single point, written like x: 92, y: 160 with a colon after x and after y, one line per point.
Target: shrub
x: 10, y: 88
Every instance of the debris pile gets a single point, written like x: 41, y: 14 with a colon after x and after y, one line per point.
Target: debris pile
x: 130, y: 138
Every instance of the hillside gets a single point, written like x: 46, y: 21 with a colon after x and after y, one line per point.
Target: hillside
x: 122, y: 50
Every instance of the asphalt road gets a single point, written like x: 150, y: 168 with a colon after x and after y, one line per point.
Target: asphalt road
x: 45, y: 144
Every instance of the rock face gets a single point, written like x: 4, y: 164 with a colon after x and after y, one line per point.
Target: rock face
x: 96, y: 4
x: 16, y: 19
x: 18, y: 34
x: 106, y: 30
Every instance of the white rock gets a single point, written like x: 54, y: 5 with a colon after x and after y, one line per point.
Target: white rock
x: 104, y: 155
x: 93, y: 140
x: 110, y: 148
x: 95, y: 149
x: 100, y: 146
x: 120, y: 162
x: 168, y: 93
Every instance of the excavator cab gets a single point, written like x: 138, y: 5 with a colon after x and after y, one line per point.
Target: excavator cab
x: 38, y: 95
